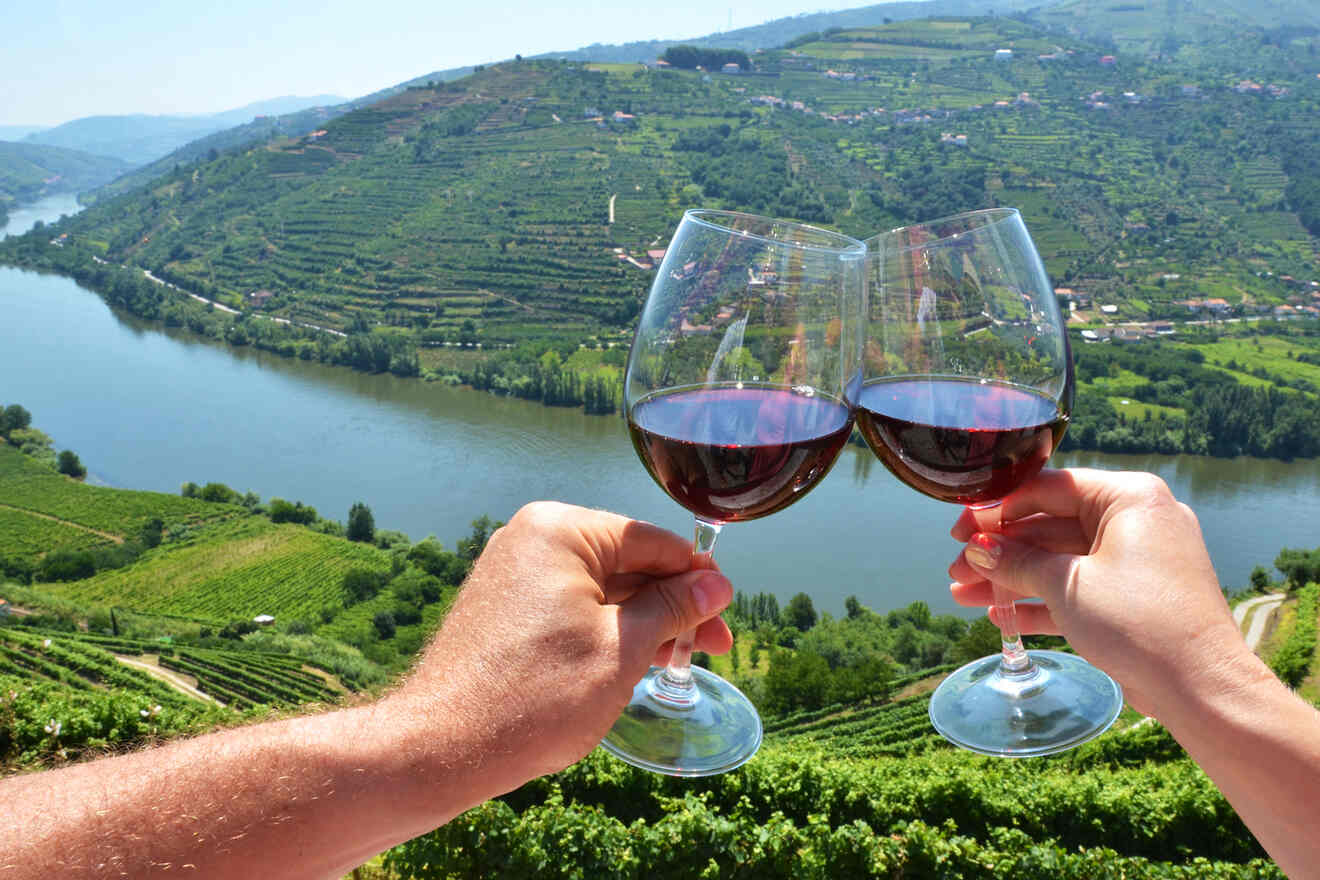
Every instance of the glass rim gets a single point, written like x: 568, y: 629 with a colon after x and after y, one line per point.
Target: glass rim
x: 992, y: 217
x: 847, y: 245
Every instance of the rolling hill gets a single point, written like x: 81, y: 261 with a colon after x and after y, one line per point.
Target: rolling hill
x: 522, y: 200
x: 32, y: 171
x: 139, y: 139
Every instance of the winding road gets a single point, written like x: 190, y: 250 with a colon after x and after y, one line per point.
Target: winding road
x: 1259, y: 610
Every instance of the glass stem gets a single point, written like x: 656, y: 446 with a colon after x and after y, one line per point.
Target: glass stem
x: 1014, y: 658
x: 678, y: 674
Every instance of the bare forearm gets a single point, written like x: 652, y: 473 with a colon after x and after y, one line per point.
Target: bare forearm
x: 1260, y: 744
x: 307, y: 797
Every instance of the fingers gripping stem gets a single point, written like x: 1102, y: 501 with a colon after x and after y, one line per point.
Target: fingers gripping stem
x: 678, y: 674
x: 1015, y: 658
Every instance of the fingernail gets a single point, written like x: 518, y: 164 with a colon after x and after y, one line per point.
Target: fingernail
x: 983, y: 551
x: 705, y: 591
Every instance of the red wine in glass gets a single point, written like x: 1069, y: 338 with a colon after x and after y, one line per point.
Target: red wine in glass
x: 967, y: 441
x: 729, y: 454
x: 967, y: 384
x: 738, y: 396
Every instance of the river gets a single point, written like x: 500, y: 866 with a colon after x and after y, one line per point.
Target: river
x: 151, y: 408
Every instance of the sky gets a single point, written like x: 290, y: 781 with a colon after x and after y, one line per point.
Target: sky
x: 65, y: 59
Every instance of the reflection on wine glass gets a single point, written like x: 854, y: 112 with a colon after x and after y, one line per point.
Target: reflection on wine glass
x: 968, y: 389
x: 738, y: 396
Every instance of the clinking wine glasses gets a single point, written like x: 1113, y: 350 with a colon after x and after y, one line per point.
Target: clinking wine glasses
x: 739, y: 395
x: 968, y: 389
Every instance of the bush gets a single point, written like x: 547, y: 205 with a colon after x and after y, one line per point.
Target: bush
x: 1292, y: 661
x: 281, y: 511
x: 68, y: 464
x: 360, y: 584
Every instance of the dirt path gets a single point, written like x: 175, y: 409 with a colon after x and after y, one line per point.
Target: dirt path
x: 175, y: 680
x: 1259, y: 610
x: 118, y: 539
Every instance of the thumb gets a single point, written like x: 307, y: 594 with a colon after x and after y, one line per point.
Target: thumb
x: 1022, y: 568
x: 665, y: 608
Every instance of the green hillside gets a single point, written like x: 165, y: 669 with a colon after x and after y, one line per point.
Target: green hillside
x: 40, y: 508
x: 523, y: 199
x: 32, y: 171
x: 1170, y: 25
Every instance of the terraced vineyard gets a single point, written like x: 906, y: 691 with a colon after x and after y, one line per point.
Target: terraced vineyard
x: 234, y: 571
x: 237, y: 678
x: 29, y: 485
x: 79, y: 665
x: 26, y: 535
x: 899, y: 728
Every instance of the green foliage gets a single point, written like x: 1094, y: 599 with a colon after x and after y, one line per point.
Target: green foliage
x: 470, y: 548
x: 361, y: 524
x: 1298, y: 566
x: 1292, y: 661
x: 361, y: 584
x: 234, y: 570
x: 13, y: 417
x: 281, y: 511
x: 692, y: 57
x: 800, y: 613
x: 68, y: 464
x: 26, y: 484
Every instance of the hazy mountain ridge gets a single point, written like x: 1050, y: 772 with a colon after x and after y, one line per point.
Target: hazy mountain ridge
x: 32, y: 171
x: 139, y: 138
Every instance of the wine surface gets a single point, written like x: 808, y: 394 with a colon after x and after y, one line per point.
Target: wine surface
x: 730, y: 454
x: 965, y: 441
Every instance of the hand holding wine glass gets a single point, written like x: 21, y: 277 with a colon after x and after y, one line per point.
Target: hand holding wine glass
x: 738, y: 397
x: 968, y: 388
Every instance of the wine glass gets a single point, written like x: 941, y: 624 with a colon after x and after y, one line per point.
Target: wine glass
x: 968, y: 388
x: 738, y: 397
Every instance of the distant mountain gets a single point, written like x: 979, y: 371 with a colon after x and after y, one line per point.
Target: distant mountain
x: 32, y: 171
x: 139, y: 139
x: 274, y: 107
x: 1166, y: 25
x: 18, y: 132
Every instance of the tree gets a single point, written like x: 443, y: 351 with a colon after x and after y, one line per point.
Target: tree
x: 69, y: 465
x: 152, y: 532
x: 1260, y: 579
x: 1299, y: 567
x: 361, y: 524
x: 800, y: 613
x: 14, y: 417
x: 982, y: 639
x: 470, y: 548
x: 853, y: 607
x: 217, y: 493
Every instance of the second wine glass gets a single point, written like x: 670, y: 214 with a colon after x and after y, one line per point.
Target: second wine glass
x: 738, y: 396
x: 969, y: 387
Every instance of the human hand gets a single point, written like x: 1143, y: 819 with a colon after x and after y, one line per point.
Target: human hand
x: 1123, y: 572
x: 561, y: 616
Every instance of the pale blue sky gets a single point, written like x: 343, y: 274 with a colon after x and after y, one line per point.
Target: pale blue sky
x: 64, y: 59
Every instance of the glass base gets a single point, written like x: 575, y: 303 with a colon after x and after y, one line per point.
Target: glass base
x: 1058, y: 702
x: 708, y: 729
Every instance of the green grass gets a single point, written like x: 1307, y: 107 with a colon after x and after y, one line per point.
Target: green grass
x: 1135, y: 409
x: 1276, y: 355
